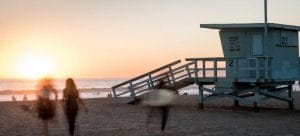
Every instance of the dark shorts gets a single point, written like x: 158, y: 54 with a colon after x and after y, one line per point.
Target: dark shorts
x: 46, y: 108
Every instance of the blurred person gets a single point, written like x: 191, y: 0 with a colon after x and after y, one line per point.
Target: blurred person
x: 109, y: 95
x: 13, y: 98
x: 25, y: 98
x: 24, y: 105
x: 45, y: 106
x: 159, y: 99
x: 70, y: 99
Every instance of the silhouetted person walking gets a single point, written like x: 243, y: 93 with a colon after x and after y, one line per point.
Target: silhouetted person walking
x: 70, y: 97
x: 45, y: 106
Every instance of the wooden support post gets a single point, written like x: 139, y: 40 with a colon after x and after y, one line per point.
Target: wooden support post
x: 256, y: 100
x: 236, y: 103
x: 291, y: 103
x: 256, y: 107
x: 200, y: 99
x: 114, y: 92
x: 236, y: 94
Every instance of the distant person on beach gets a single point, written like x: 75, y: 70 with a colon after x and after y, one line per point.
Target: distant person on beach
x: 24, y: 105
x: 159, y: 98
x: 13, y: 98
x: 45, y: 106
x: 25, y: 98
x: 70, y: 98
x: 109, y: 95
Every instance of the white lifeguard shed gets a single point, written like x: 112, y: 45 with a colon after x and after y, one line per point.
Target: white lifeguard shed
x: 273, y: 60
x: 262, y: 60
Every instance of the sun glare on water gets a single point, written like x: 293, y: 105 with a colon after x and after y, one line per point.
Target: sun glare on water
x: 35, y: 66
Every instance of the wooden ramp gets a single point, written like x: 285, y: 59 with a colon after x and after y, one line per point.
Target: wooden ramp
x: 176, y: 74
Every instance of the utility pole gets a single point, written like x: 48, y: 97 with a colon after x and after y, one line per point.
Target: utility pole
x: 266, y: 23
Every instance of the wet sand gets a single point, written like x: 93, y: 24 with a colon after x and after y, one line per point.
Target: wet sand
x: 111, y: 117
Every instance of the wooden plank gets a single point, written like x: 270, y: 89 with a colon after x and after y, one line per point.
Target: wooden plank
x: 206, y: 59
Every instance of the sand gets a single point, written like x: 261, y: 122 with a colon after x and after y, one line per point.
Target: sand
x: 111, y: 117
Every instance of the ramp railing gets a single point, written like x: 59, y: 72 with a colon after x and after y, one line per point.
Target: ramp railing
x: 172, y: 72
x: 238, y: 68
x: 208, y: 68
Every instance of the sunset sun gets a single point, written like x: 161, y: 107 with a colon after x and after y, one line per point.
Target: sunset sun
x: 35, y: 66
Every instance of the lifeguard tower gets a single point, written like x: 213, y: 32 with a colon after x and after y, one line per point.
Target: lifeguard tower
x: 261, y: 61
x: 257, y: 65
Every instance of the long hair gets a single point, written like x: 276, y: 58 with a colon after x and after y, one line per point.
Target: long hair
x: 70, y: 89
x: 70, y: 85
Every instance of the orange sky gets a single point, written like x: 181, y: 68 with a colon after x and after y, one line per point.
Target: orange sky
x: 118, y: 38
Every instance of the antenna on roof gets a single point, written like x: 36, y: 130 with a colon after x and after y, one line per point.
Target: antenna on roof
x: 266, y: 22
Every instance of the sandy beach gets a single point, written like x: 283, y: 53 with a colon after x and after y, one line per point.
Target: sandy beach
x: 113, y: 117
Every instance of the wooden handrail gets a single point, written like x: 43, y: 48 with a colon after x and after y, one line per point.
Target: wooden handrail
x: 146, y: 74
x: 206, y: 59
x: 223, y: 58
x: 144, y: 82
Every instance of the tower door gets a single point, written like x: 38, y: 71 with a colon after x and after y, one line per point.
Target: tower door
x: 257, y: 45
x: 257, y: 49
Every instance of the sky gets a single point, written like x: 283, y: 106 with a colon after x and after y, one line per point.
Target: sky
x: 118, y: 38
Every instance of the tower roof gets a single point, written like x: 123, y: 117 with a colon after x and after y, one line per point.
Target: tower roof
x: 250, y: 26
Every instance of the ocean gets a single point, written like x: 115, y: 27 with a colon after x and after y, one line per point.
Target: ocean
x: 89, y: 87
x: 93, y: 87
x: 83, y: 83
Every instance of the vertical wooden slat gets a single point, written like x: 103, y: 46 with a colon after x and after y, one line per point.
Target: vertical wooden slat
x: 196, y: 72
x: 200, y: 98
x: 188, y: 71
x: 215, y: 69
x: 150, y: 80
x: 167, y: 76
x: 149, y: 85
x: 172, y: 74
x: 203, y: 69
